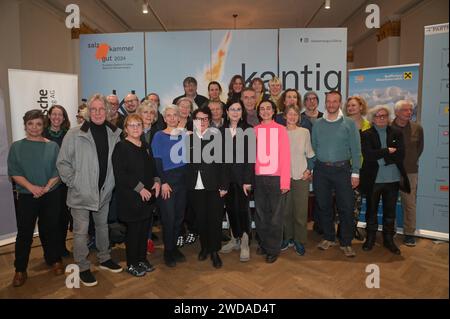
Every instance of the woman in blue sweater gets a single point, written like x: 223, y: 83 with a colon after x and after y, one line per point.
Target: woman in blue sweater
x: 171, y: 168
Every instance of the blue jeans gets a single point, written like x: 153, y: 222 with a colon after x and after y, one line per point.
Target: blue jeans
x: 325, y: 180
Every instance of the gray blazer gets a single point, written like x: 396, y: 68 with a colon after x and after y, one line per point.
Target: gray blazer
x: 78, y: 168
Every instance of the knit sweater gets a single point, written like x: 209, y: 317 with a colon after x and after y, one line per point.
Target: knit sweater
x: 337, y: 141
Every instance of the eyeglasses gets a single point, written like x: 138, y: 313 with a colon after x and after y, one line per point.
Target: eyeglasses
x: 382, y: 116
x: 130, y: 101
x: 203, y: 119
x: 234, y: 110
x: 134, y: 125
x: 101, y: 110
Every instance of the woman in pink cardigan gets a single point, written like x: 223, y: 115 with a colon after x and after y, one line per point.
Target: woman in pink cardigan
x: 272, y: 180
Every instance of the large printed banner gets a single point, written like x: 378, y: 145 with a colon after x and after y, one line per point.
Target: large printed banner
x: 250, y: 53
x: 218, y: 55
x: 314, y: 60
x: 307, y: 59
x: 432, y: 196
x: 112, y: 62
x: 8, y: 221
x: 40, y: 90
x: 171, y: 57
x: 385, y: 85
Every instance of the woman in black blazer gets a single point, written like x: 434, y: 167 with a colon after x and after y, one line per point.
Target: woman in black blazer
x: 207, y: 185
x: 137, y: 188
x: 382, y: 175
x: 241, y: 172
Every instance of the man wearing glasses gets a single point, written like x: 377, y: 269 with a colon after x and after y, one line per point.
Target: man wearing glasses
x: 311, y: 103
x: 131, y: 103
x: 84, y: 165
x: 114, y: 116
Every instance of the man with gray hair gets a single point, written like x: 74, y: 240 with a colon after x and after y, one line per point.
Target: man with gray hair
x: 114, y: 117
x: 414, y: 142
x: 84, y: 165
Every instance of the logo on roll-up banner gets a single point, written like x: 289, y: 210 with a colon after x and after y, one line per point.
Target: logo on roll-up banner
x: 47, y: 98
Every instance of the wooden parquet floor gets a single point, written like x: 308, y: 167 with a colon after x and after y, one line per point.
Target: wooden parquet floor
x: 420, y: 272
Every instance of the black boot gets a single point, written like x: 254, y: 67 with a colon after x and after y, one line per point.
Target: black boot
x: 370, y: 240
x: 388, y: 242
x: 169, y: 258
x: 216, y: 261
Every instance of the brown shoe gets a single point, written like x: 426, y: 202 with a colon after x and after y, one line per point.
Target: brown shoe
x: 58, y: 268
x: 19, y: 279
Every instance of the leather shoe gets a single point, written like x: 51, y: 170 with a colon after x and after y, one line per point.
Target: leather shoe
x: 58, y: 268
x: 392, y: 247
x: 370, y: 241
x: 19, y: 279
x: 216, y: 261
x: 202, y: 255
x: 271, y: 258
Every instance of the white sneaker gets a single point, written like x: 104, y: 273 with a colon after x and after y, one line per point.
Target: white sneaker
x: 232, y: 244
x: 245, y: 250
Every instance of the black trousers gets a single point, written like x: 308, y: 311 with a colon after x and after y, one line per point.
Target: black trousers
x: 388, y: 192
x: 238, y: 211
x: 173, y: 208
x: 208, y: 208
x: 64, y: 216
x: 136, y: 241
x: 46, y: 210
x: 269, y: 215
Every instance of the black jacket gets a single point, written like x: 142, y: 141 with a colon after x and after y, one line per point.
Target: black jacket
x: 133, y: 168
x: 244, y: 172
x: 214, y: 175
x: 372, y: 152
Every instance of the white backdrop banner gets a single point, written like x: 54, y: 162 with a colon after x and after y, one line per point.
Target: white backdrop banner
x: 40, y: 90
x: 314, y: 60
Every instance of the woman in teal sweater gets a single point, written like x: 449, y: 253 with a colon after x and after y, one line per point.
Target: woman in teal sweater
x: 32, y: 166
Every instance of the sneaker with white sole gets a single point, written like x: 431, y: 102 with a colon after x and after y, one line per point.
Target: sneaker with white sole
x: 325, y: 244
x: 245, y: 249
x: 136, y: 270
x: 87, y: 278
x: 233, y: 244
x: 148, y: 267
x: 348, y: 251
x: 299, y: 248
x: 111, y: 266
x: 409, y: 241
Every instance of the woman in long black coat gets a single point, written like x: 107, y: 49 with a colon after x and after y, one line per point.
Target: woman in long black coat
x: 382, y: 175
x: 136, y: 188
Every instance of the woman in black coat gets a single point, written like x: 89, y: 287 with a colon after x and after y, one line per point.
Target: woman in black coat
x: 382, y: 175
x: 136, y: 189
x: 207, y: 184
x: 241, y: 173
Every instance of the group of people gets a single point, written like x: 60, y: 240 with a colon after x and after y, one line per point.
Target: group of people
x: 200, y: 155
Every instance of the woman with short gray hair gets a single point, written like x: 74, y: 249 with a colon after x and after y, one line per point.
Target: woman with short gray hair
x: 382, y: 175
